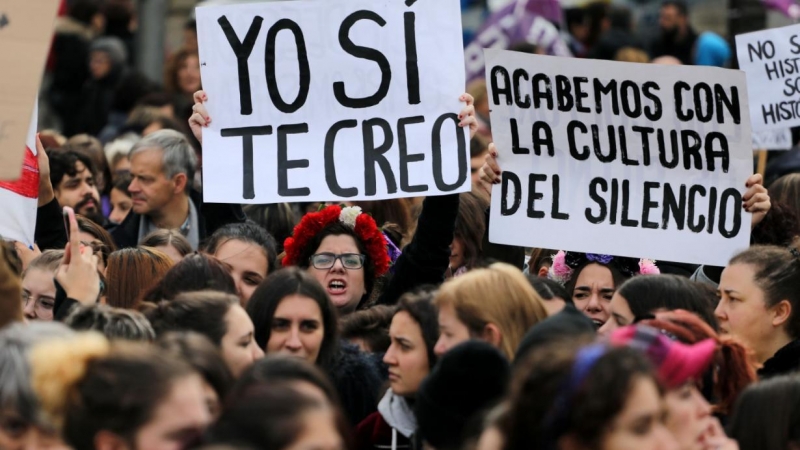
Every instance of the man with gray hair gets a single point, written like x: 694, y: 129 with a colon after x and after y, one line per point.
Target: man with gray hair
x: 162, y: 167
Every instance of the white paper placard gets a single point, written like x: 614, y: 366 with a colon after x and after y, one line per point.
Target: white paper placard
x: 600, y: 157
x: 345, y: 100
x: 779, y: 139
x: 771, y: 59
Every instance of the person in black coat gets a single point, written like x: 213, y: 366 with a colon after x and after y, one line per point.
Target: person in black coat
x: 618, y: 36
x: 70, y: 59
x: 677, y: 38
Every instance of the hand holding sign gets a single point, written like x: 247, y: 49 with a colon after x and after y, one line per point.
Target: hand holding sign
x: 199, y: 118
x: 756, y: 199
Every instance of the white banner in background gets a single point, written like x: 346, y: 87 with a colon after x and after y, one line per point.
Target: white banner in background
x: 771, y: 60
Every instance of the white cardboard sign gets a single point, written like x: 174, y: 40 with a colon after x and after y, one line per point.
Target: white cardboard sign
x: 345, y: 100
x: 614, y: 158
x: 771, y: 59
x: 778, y: 139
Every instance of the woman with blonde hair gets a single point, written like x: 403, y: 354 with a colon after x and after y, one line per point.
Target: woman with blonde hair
x: 495, y: 304
x: 103, y: 395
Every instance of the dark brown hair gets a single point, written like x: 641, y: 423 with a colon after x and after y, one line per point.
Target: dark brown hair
x: 270, y: 417
x: 168, y: 238
x: 767, y: 415
x: 248, y: 232
x: 284, y: 283
x: 419, y: 305
x: 91, y: 147
x: 542, y: 409
x: 778, y: 275
x: 647, y: 294
x: 131, y: 272
x: 470, y: 227
x: 278, y: 219
x: 202, y: 312
x: 370, y: 325
x: 200, y: 353
x: 616, y: 275
x: 283, y: 369
x: 340, y: 229
x: 114, y: 323
x: 786, y: 190
x: 196, y: 272
x: 540, y: 257
x: 173, y: 67
x: 10, y: 288
x: 106, y: 245
x: 394, y: 211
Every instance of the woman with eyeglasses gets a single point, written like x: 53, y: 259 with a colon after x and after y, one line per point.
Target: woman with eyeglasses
x: 344, y: 250
x: 293, y: 316
x: 38, y: 287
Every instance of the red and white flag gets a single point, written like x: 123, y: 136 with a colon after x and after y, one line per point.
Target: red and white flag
x: 19, y: 199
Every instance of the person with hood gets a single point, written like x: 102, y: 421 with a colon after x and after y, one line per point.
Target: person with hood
x: 410, y: 358
x: 107, y: 69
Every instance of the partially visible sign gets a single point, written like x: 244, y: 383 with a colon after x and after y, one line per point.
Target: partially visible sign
x: 19, y: 198
x: 770, y: 60
x: 780, y: 139
x: 25, y: 34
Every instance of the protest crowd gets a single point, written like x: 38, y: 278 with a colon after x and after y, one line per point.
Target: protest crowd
x: 145, y: 314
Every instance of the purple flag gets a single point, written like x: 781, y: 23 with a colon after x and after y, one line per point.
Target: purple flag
x: 788, y: 7
x: 520, y: 21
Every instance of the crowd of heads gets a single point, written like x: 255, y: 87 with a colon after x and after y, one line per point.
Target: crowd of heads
x: 152, y: 320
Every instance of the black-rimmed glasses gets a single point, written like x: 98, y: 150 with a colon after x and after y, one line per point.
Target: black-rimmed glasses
x: 325, y: 261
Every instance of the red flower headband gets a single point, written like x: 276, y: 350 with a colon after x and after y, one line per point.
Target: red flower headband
x: 363, y: 224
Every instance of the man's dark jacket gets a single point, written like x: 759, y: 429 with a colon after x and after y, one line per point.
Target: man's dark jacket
x: 211, y: 216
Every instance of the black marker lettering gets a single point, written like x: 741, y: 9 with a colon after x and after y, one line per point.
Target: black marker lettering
x: 360, y: 52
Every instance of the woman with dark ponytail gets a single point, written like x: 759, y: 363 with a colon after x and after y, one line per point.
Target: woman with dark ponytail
x: 760, y: 305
